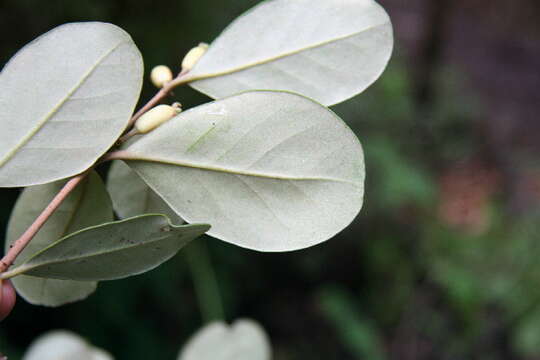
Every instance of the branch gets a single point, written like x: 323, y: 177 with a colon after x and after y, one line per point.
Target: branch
x: 161, y: 94
x: 18, y: 246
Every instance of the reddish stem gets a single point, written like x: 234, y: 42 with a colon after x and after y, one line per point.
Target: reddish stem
x: 18, y: 246
x: 160, y: 95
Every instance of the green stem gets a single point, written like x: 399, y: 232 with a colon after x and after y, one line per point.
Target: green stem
x: 204, y: 281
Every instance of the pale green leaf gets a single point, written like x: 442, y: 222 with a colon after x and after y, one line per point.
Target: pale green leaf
x: 63, y: 345
x: 86, y: 206
x: 270, y: 170
x: 243, y: 340
x: 65, y: 98
x: 131, y: 196
x: 328, y: 50
x: 111, y: 251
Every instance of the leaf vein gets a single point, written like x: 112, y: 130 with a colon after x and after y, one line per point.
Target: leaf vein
x: 128, y: 156
x: 57, y: 107
x: 284, y: 55
x: 256, y: 193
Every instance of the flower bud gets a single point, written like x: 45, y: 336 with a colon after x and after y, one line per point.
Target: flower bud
x: 161, y: 75
x: 155, y: 117
x: 193, y: 56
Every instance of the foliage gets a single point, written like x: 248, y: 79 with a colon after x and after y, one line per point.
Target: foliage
x: 402, y: 276
x: 267, y: 167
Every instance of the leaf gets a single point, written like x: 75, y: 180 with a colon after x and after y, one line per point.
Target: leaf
x: 111, y: 251
x: 87, y: 205
x: 243, y: 340
x: 271, y: 171
x: 63, y: 345
x: 328, y: 50
x: 131, y: 196
x: 65, y: 98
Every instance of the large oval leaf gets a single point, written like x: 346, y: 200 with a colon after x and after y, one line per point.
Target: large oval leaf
x: 271, y: 171
x: 111, y: 251
x: 329, y: 50
x: 243, y: 340
x: 86, y: 206
x: 65, y: 99
x: 131, y: 196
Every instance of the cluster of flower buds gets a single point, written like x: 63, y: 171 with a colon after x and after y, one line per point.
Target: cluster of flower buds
x: 162, y: 74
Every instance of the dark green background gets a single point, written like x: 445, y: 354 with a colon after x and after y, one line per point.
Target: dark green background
x: 442, y: 263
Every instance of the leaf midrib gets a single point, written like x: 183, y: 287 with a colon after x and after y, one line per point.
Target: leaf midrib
x: 57, y: 107
x: 278, y: 57
x: 129, y: 156
x: 29, y: 266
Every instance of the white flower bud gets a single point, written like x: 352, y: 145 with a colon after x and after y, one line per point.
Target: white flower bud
x: 155, y: 117
x: 193, y: 56
x: 161, y: 75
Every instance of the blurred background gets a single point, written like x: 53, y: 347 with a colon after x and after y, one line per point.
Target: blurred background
x: 443, y: 262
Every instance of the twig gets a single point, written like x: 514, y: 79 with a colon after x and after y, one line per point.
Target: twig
x: 115, y: 155
x: 125, y: 138
x: 18, y: 246
x: 160, y: 95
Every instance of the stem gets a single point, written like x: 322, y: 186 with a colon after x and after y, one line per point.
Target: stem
x: 18, y: 246
x: 160, y: 95
x: 114, y: 155
x: 204, y: 281
x: 127, y: 136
